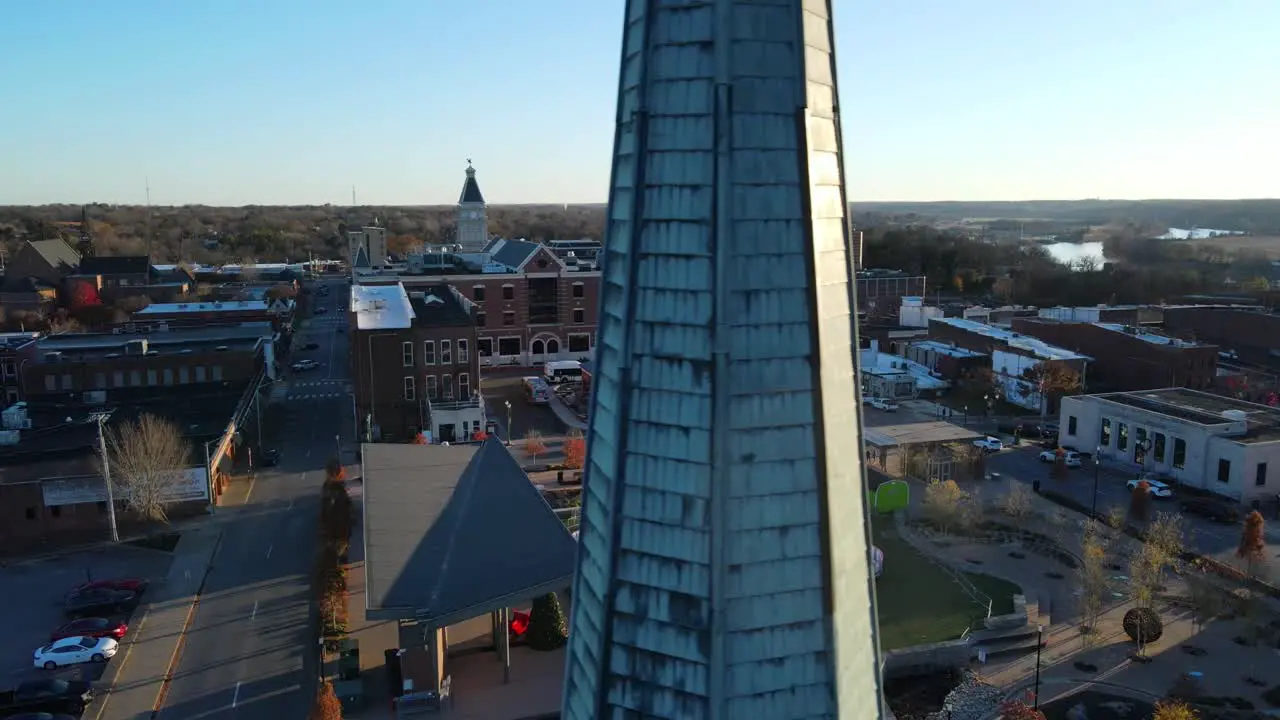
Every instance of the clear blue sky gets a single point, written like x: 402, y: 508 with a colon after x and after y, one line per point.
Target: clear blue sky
x: 294, y: 101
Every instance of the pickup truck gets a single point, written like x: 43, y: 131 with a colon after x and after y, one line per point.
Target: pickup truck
x: 52, y: 695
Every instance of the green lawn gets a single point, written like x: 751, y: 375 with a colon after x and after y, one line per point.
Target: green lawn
x: 918, y: 602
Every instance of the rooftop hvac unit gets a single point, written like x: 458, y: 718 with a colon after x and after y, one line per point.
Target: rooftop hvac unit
x: 95, y: 397
x: 15, y: 417
x: 9, y: 437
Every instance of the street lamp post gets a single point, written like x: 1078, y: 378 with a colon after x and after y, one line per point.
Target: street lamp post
x: 508, y: 404
x: 1097, y: 466
x: 101, y: 418
x: 1039, y: 645
x: 966, y: 416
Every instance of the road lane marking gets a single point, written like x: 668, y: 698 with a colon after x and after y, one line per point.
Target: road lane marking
x: 290, y: 504
x: 235, y: 698
x: 102, y: 706
x: 269, y: 548
x: 254, y: 614
x: 252, y: 480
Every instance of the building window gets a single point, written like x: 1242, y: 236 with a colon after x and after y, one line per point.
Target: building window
x: 406, y: 354
x: 10, y: 369
x: 1122, y: 437
x: 579, y: 316
x: 200, y: 374
x: 410, y: 392
x: 464, y: 352
x: 482, y: 320
x: 1157, y: 446
x: 1140, y: 445
x: 579, y: 342
x: 117, y: 378
x: 66, y: 383
x: 431, y: 388
x: 508, y: 318
x: 1260, y: 477
x: 477, y: 293
x: 1104, y: 439
x: 217, y: 373
x: 1224, y: 470
x: 99, y: 381
x: 446, y: 352
x: 184, y: 375
x: 446, y: 383
x: 579, y: 290
x: 50, y: 383
x: 168, y: 376
x: 153, y: 378
x: 1179, y: 453
x: 135, y: 378
x: 484, y: 346
x: 464, y: 388
x: 10, y: 396
x: 508, y: 292
x: 1071, y: 425
x: 428, y: 352
x: 509, y: 346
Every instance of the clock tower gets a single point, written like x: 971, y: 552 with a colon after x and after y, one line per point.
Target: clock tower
x: 473, y: 223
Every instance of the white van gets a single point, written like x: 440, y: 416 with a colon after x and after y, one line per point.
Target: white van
x: 558, y: 371
x: 536, y: 391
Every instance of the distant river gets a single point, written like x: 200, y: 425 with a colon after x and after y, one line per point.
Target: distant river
x: 1069, y: 253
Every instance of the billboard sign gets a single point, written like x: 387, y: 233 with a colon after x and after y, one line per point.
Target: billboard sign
x: 191, y: 485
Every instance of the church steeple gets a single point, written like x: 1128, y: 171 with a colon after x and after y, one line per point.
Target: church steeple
x: 84, y: 244
x: 473, y: 223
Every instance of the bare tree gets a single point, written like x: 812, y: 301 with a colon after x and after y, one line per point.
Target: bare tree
x: 149, y: 459
x: 1092, y: 574
x: 946, y: 504
x: 1017, y: 502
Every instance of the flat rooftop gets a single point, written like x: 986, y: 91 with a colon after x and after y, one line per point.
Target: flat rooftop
x: 1039, y: 348
x: 944, y: 349
x: 1148, y: 336
x: 1201, y: 408
x: 203, y: 307
x: 934, y: 431
x: 381, y: 307
x: 171, y: 342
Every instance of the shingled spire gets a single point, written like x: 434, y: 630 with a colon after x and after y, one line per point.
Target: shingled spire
x: 470, y: 188
x: 724, y: 568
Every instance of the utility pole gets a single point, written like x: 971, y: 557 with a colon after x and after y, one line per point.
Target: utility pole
x: 101, y: 418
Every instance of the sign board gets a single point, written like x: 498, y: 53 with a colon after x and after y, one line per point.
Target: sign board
x: 191, y: 486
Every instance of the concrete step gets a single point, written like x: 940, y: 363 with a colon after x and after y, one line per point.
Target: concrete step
x: 1007, y: 646
x: 1001, y: 634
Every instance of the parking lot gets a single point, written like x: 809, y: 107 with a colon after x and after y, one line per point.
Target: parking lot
x: 524, y: 416
x: 32, y: 602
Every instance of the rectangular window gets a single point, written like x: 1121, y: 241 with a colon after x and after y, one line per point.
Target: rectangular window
x: 1104, y: 439
x: 508, y: 292
x: 10, y: 368
x: 579, y: 290
x: 1260, y: 477
x: 579, y: 316
x: 1224, y: 470
x: 10, y: 396
x: 66, y: 383
x: 428, y: 352
x: 1158, y: 447
x: 446, y: 352
x: 484, y: 346
x: 1122, y: 437
x: 464, y: 386
x: 431, y: 388
x: 50, y: 383
x: 1179, y: 453
x: 168, y: 376
x: 184, y: 375
x: 217, y: 373
x: 135, y: 378
x: 464, y: 352
x: 117, y: 378
x: 200, y: 374
x: 446, y: 383
x: 1071, y: 425
x: 509, y: 346
x: 579, y: 342
x: 406, y: 354
x: 410, y: 392
x: 508, y: 318
x: 100, y: 381
x: 1140, y: 445
x: 153, y: 378
x: 482, y: 319
x: 477, y: 293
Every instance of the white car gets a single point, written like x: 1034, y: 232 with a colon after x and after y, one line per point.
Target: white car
x: 1070, y: 458
x: 1155, y: 488
x: 74, y: 650
x: 989, y: 444
x: 882, y: 404
x: 304, y: 365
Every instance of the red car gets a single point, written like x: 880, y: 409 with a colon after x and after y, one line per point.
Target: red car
x: 133, y: 585
x: 90, y: 627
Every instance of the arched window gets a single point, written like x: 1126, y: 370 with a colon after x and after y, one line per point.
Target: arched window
x: 553, y: 346
x: 537, y: 347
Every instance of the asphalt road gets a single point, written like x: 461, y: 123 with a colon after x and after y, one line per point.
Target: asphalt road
x: 250, y: 651
x: 1216, y: 540
x: 501, y: 386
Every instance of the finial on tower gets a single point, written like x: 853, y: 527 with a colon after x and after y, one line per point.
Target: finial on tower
x: 471, y: 171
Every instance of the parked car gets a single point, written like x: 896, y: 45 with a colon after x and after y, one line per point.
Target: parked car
x: 91, y: 627
x: 1070, y: 458
x: 989, y: 444
x: 883, y: 404
x: 269, y: 458
x: 311, y: 346
x: 51, y: 695
x: 132, y: 584
x: 74, y: 651
x: 304, y: 365
x: 1217, y: 511
x: 99, y: 601
x: 1155, y: 488
x: 321, y: 310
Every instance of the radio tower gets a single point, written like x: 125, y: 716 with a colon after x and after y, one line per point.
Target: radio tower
x: 724, y: 569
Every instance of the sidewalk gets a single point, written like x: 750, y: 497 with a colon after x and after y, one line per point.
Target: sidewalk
x: 135, y: 681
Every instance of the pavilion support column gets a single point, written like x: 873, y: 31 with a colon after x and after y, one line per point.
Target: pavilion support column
x: 495, y: 619
x: 432, y: 638
x: 506, y: 646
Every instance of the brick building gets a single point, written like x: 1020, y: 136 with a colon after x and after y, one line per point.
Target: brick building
x: 414, y: 362
x: 950, y: 361
x: 11, y: 364
x: 234, y: 312
x: 1254, y: 335
x: 1126, y: 357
